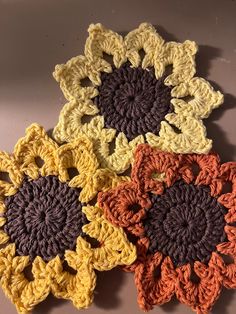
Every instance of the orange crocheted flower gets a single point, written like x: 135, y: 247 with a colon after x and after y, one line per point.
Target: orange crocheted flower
x: 178, y: 212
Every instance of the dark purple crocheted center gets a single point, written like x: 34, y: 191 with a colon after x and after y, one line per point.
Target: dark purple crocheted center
x: 185, y: 223
x: 44, y: 218
x: 133, y: 101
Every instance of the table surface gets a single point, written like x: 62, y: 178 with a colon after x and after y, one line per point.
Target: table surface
x: 36, y: 35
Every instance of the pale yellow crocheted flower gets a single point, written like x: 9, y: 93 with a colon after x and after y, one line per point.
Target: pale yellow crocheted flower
x: 135, y: 100
x: 45, y: 224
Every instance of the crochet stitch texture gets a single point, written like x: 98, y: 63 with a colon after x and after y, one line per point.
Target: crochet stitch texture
x: 46, y: 222
x: 183, y: 224
x: 134, y: 100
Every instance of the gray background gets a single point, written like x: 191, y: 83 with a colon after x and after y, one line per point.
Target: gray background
x: 36, y: 35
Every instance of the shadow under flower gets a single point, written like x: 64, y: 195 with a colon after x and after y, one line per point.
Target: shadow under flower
x: 106, y: 294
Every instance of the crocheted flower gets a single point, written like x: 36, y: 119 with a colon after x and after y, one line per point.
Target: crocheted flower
x: 45, y: 224
x: 133, y: 100
x: 183, y: 224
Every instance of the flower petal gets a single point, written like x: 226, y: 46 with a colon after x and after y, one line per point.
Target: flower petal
x: 70, y: 124
x: 228, y: 174
x: 36, y: 143
x: 144, y: 37
x: 104, y: 40
x: 231, y: 233
x: 123, y: 148
x: 199, y: 296
x: 150, y: 162
x: 9, y: 165
x: 227, y: 271
x: 3, y: 237
x: 101, y: 180
x: 209, y: 287
x: 37, y: 290
x: 209, y: 167
x: 118, y: 205
x: 2, y: 206
x: 205, y: 99
x: 227, y: 248
x: 71, y: 74
x: 192, y: 138
x: 79, y: 155
x: 6, y: 257
x: 152, y: 289
x: 160, y: 54
x: 79, y: 287
x: 14, y: 283
x: 114, y: 248
x: 229, y: 201
x: 83, y: 253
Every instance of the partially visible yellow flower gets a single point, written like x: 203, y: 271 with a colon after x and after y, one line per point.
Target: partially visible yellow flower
x: 45, y: 224
x: 135, y: 100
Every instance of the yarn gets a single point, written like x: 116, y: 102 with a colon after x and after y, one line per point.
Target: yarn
x: 183, y: 224
x: 46, y: 222
x: 44, y: 218
x: 134, y: 100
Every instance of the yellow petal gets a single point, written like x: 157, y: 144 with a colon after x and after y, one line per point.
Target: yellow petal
x: 9, y: 165
x: 3, y: 237
x: 70, y: 124
x: 122, y: 157
x: 71, y: 74
x: 144, y: 37
x: 115, y: 248
x: 78, y: 154
x: 204, y: 98
x: 8, y: 252
x: 19, y: 263
x: 79, y: 287
x: 92, y: 212
x: 2, y: 206
x: 36, y: 143
x: 104, y: 40
x: 13, y: 281
x: 192, y: 138
x: 182, y: 57
x: 2, y: 221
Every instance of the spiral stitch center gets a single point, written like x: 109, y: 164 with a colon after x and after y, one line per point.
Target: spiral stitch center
x: 133, y: 101
x: 44, y: 218
x: 185, y: 223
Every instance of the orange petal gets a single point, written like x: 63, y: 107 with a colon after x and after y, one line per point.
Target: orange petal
x: 228, y: 174
x: 231, y: 233
x: 124, y: 206
x: 209, y: 287
x: 199, y: 296
x: 229, y: 280
x: 186, y: 291
x: 228, y: 171
x: 155, y: 290
x: 227, y: 248
x: 229, y: 201
x: 209, y: 166
x: 227, y: 272
x: 150, y: 163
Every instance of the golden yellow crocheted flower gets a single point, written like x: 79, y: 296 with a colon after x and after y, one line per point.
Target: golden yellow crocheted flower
x: 46, y: 225
x: 135, y: 99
